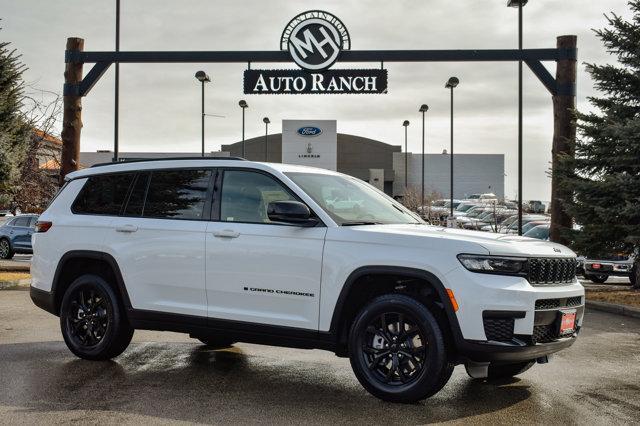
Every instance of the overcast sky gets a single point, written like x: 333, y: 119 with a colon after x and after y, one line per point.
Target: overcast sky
x: 160, y: 104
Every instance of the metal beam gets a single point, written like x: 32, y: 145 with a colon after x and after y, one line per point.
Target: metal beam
x: 488, y: 55
x: 532, y: 57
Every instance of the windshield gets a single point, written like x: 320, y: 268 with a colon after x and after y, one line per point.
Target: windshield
x: 540, y: 232
x: 350, y: 201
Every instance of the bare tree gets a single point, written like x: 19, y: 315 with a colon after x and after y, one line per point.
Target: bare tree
x: 37, y: 184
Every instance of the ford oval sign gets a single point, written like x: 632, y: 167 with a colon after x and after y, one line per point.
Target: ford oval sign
x: 309, y: 131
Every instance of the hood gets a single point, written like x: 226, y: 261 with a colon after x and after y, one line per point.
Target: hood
x: 493, y: 243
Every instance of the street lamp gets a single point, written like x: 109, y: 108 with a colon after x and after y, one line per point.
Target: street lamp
x: 451, y: 83
x: 266, y: 137
x: 519, y: 4
x: 405, y: 123
x: 203, y: 78
x: 243, y: 105
x: 423, y: 108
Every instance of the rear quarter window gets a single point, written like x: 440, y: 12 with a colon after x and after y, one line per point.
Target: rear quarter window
x: 103, y: 194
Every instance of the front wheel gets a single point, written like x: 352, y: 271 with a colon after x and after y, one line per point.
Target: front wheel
x: 397, y: 350
x: 92, y: 319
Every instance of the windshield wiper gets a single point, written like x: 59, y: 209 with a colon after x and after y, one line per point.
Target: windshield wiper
x: 364, y: 222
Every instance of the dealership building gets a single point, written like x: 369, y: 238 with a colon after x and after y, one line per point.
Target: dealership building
x: 317, y: 143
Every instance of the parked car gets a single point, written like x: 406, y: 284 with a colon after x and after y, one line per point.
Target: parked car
x: 540, y: 232
x: 236, y: 251
x: 15, y: 235
x: 526, y: 218
x: 530, y: 225
x: 599, y: 270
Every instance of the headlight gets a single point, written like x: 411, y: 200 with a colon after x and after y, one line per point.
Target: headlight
x: 494, y: 264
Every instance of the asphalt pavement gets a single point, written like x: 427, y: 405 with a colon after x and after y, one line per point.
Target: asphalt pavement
x: 169, y: 378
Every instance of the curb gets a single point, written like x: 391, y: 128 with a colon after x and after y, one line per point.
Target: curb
x: 6, y: 285
x: 15, y: 268
x: 628, y: 311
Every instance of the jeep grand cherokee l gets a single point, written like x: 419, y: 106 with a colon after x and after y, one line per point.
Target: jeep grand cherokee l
x: 236, y: 251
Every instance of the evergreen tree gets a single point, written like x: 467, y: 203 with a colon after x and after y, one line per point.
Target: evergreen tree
x: 13, y: 128
x: 605, y: 174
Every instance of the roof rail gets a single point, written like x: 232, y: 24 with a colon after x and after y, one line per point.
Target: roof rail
x: 143, y: 160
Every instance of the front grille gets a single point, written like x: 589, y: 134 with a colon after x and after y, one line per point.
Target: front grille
x: 558, y: 303
x: 498, y: 329
x: 549, y: 271
x: 544, y: 333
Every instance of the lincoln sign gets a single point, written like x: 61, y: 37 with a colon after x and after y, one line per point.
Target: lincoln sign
x: 314, y: 40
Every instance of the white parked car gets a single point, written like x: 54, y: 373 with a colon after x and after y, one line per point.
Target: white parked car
x: 236, y: 251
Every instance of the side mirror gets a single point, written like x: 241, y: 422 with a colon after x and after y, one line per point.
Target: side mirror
x: 293, y: 212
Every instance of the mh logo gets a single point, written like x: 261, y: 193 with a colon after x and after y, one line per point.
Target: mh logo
x: 315, y: 39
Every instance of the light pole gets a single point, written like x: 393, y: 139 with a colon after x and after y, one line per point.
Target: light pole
x: 116, y: 98
x: 405, y: 123
x: 266, y: 137
x: 203, y: 78
x: 519, y: 4
x: 243, y: 105
x: 451, y: 83
x: 423, y: 108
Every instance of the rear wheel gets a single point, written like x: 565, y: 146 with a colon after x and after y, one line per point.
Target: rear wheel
x: 93, y: 322
x: 397, y: 350
x: 502, y: 371
x: 5, y: 249
x: 599, y: 279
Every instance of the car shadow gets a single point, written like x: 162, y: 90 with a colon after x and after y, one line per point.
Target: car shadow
x: 189, y: 382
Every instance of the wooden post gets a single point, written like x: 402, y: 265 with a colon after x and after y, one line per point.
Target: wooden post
x: 72, y: 114
x: 564, y: 136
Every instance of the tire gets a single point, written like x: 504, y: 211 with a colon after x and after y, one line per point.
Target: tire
x: 599, y: 279
x: 6, y: 252
x: 402, y: 332
x: 216, y: 342
x: 503, y: 371
x: 107, y: 332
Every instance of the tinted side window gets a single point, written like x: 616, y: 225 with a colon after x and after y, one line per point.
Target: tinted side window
x: 137, y: 197
x: 246, y: 195
x: 103, y: 194
x: 177, y: 194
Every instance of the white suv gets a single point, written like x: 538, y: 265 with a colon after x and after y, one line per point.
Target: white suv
x: 236, y: 251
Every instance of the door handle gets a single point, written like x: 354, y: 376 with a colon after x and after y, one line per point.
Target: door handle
x: 226, y: 233
x: 126, y: 228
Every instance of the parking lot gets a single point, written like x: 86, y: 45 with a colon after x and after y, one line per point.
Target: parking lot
x: 169, y: 378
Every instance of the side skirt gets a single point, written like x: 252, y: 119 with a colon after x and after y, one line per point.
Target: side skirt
x: 238, y: 331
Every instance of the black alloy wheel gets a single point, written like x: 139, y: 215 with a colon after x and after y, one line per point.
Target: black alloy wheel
x: 88, y: 316
x: 397, y: 349
x: 394, y: 348
x: 93, y: 322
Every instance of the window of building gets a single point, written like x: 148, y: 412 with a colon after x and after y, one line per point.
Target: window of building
x: 246, y: 195
x: 177, y: 194
x: 103, y: 194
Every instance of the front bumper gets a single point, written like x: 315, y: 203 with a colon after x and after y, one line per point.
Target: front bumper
x: 506, y: 319
x: 484, y: 351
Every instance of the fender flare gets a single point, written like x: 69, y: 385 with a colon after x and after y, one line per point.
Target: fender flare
x: 395, y: 270
x: 89, y: 254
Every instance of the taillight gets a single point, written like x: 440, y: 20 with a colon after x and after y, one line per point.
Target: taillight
x: 43, y: 226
